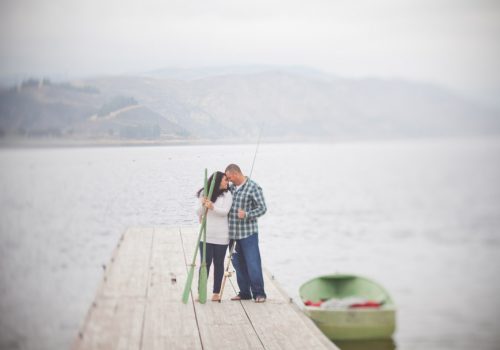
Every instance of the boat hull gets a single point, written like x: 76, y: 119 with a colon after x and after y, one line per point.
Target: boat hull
x: 354, y: 324
x: 349, y: 323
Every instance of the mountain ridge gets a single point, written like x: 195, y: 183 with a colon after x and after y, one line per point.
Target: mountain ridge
x: 292, y: 104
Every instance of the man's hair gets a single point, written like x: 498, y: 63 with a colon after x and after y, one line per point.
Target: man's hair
x: 233, y: 168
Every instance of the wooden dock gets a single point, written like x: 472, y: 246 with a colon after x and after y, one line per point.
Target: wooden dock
x: 138, y: 305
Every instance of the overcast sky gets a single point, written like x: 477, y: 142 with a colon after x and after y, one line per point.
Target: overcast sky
x: 453, y: 42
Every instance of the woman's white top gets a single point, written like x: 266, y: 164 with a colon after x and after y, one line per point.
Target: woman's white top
x: 217, y: 221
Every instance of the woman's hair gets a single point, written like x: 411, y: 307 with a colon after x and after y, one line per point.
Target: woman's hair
x: 217, y: 190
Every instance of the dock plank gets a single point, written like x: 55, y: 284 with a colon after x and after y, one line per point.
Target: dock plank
x: 168, y: 268
x: 128, y: 274
x: 168, y: 323
x: 115, y: 319
x: 274, y: 322
x: 222, y: 325
x: 138, y: 304
x: 116, y: 325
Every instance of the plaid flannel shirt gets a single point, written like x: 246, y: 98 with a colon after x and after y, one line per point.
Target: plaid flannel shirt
x: 248, y: 197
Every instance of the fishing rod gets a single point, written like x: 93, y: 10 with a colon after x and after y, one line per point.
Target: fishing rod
x: 228, y: 273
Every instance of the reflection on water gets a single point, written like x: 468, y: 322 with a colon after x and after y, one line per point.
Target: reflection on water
x: 376, y: 344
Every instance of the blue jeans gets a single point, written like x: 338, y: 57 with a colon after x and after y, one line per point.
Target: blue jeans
x: 216, y: 254
x: 247, y: 263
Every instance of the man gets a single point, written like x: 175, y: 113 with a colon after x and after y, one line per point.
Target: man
x: 248, y: 205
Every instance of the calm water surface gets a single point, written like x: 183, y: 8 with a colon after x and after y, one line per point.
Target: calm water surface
x: 420, y: 217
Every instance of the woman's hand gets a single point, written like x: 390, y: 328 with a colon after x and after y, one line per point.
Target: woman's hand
x: 208, y: 204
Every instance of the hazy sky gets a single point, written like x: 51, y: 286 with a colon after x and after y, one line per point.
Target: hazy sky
x: 453, y: 42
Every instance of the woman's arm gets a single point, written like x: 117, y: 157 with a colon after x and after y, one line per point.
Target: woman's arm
x: 223, y: 204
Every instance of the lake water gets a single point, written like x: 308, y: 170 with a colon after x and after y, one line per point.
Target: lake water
x: 421, y: 217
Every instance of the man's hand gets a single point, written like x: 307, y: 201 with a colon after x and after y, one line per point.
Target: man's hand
x: 241, y: 214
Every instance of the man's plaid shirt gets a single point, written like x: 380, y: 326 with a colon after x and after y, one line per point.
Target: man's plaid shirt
x: 248, y: 197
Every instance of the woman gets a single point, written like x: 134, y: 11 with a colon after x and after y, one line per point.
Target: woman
x: 217, y: 227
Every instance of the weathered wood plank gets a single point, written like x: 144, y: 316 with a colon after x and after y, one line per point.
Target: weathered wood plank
x: 115, y: 320
x: 138, y: 305
x: 275, y: 322
x: 115, y: 324
x: 314, y: 331
x: 225, y: 326
x: 168, y: 267
x: 280, y: 324
x: 128, y: 274
x: 168, y: 324
x: 221, y: 325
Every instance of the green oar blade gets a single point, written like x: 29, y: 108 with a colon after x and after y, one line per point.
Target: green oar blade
x: 189, y: 280
x: 202, y: 283
x: 202, y: 289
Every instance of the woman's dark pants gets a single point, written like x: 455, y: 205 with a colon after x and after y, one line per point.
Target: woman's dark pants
x: 216, y: 254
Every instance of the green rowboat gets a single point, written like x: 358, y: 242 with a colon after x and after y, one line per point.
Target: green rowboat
x: 344, y: 323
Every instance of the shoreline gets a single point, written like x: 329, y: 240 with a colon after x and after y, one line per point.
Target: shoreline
x: 43, y: 143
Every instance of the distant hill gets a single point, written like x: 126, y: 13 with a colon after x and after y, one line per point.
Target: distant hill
x: 233, y: 103
x: 44, y: 109
x: 300, y: 104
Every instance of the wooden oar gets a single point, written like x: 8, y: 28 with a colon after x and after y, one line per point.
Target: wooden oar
x: 202, y: 283
x: 189, y: 280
